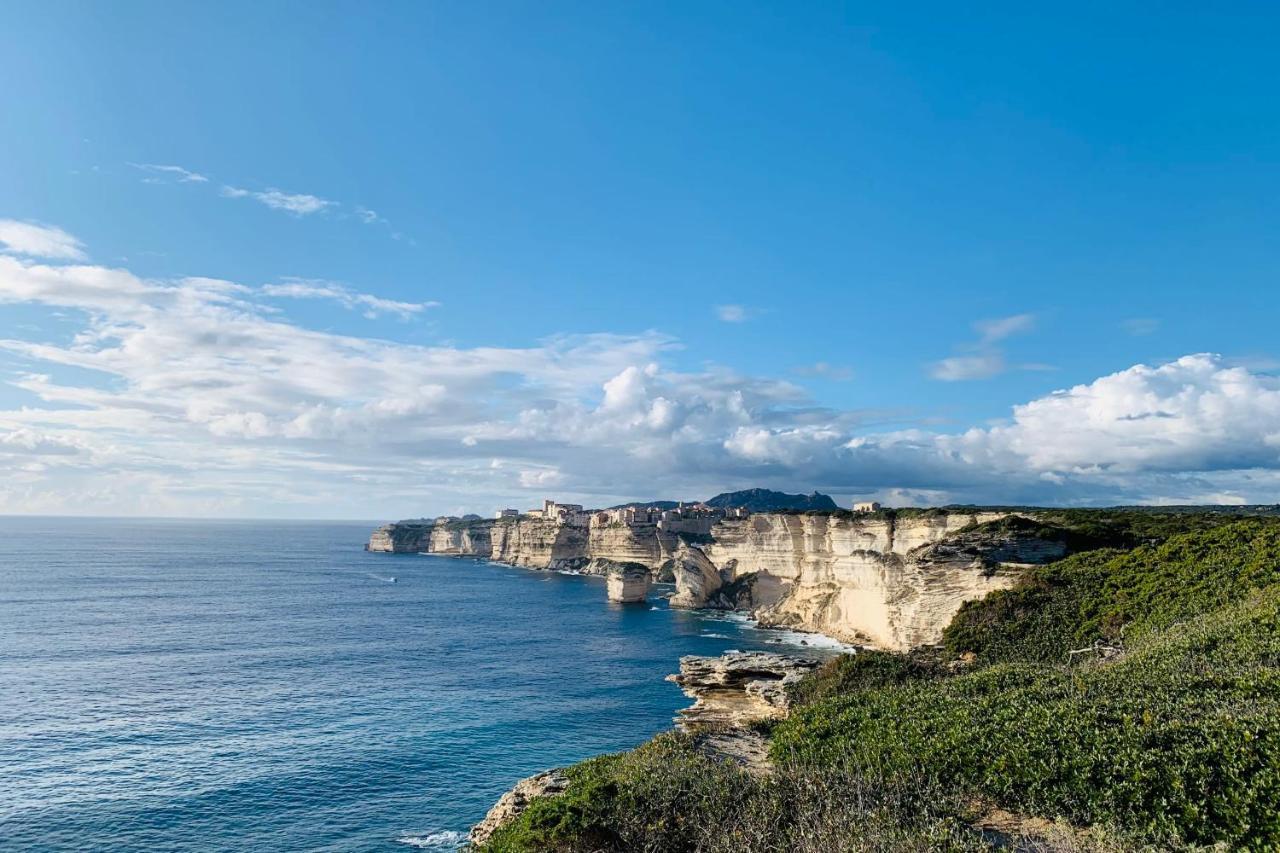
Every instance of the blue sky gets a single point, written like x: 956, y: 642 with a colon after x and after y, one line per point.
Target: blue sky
x: 840, y: 243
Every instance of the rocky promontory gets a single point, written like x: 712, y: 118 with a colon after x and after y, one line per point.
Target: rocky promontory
x: 513, y: 803
x: 729, y: 693
x: 737, y: 688
x: 891, y: 580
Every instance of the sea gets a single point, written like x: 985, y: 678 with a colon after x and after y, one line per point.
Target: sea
x: 186, y: 685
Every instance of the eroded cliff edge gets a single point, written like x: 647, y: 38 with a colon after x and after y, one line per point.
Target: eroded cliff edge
x: 890, y: 580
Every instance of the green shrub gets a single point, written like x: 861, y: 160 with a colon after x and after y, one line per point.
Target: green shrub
x: 666, y: 797
x: 1099, y: 595
x: 1178, y: 741
x: 865, y: 670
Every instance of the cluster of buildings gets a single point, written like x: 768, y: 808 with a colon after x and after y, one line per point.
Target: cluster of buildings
x: 681, y: 518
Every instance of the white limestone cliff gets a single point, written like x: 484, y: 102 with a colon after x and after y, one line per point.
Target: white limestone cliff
x: 891, y: 580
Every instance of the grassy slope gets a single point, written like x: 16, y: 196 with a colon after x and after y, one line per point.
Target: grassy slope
x: 1176, y: 741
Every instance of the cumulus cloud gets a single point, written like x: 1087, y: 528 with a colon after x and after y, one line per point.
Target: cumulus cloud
x: 371, y: 306
x: 197, y: 396
x: 39, y: 241
x: 299, y: 204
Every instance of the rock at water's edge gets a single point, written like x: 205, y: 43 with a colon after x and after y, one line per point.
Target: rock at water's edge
x: 628, y: 582
x: 696, y: 578
x: 402, y: 537
x: 513, y: 803
x: 737, y: 687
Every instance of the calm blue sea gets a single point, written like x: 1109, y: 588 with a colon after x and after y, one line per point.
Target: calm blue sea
x: 179, y: 685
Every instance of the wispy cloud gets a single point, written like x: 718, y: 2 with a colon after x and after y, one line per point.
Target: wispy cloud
x: 984, y: 359
x: 962, y: 368
x: 297, y: 204
x: 824, y: 370
x: 1141, y: 326
x: 371, y: 306
x: 39, y: 241
x: 998, y: 329
x: 300, y: 204
x: 174, y: 173
x: 733, y: 313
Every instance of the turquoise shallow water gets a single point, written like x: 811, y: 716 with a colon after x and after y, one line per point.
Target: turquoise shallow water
x: 178, y: 685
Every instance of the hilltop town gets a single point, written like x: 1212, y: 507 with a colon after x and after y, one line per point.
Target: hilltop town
x: 696, y: 518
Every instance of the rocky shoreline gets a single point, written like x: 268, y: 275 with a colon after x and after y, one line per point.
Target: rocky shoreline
x: 887, y: 580
x: 729, y: 693
x: 884, y: 580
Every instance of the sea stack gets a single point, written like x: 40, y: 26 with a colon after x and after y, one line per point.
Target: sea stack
x: 628, y: 582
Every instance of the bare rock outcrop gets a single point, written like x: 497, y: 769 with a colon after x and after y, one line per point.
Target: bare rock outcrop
x: 628, y: 582
x: 539, y: 543
x: 462, y: 537
x: 696, y: 578
x: 886, y: 581
x: 737, y: 688
x: 892, y: 580
x: 402, y: 537
x: 513, y: 803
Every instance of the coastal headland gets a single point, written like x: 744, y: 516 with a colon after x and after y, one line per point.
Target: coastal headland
x: 889, y: 579
x: 1025, y: 678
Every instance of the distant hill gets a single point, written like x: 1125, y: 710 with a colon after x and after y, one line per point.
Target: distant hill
x: 649, y: 504
x: 764, y: 500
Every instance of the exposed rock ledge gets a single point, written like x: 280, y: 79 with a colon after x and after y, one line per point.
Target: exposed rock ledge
x: 737, y: 688
x: 729, y: 692
x: 891, y: 581
x: 513, y: 803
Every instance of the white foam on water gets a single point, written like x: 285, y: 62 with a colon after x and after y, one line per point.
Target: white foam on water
x: 716, y: 636
x: 782, y: 636
x: 444, y: 840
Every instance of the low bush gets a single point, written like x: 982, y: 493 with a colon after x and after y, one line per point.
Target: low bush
x: 1177, y: 741
x: 1100, y: 595
x: 666, y: 797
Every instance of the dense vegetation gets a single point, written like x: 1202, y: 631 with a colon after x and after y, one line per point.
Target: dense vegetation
x: 1162, y: 731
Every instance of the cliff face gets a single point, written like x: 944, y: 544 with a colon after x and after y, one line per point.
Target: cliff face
x: 641, y: 543
x: 885, y: 580
x: 402, y: 537
x: 539, y: 543
x: 891, y: 582
x: 462, y: 538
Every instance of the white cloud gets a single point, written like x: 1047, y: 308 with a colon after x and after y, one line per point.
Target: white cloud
x: 999, y: 328
x: 964, y: 367
x: 1194, y: 414
x: 39, y: 241
x: 371, y: 306
x: 824, y: 370
x: 194, y: 396
x: 984, y: 359
x: 1139, y: 326
x: 301, y: 204
x: 177, y: 173
x: 734, y: 313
